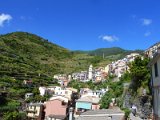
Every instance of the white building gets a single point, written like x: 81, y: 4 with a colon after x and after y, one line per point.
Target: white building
x: 42, y: 91
x: 152, y: 50
x: 155, y: 83
x: 90, y: 72
x: 132, y: 57
x: 82, y: 76
x: 95, y: 93
x: 118, y: 68
x: 59, y: 91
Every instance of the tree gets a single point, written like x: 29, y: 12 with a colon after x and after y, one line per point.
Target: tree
x: 140, y: 74
x: 14, y: 116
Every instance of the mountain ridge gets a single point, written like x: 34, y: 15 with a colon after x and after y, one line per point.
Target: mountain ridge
x: 108, y: 52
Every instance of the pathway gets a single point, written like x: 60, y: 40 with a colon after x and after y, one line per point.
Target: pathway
x: 134, y: 118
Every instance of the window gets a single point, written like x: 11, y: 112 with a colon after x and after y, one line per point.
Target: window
x: 156, y: 69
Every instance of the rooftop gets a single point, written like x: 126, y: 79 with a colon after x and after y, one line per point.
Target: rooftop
x: 103, y: 114
x: 89, y: 99
x: 35, y: 104
x: 103, y: 111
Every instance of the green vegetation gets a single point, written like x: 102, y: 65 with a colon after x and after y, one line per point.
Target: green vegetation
x: 127, y: 112
x: 140, y: 75
x: 30, y: 55
x: 78, y: 85
x: 15, y: 115
x: 115, y: 91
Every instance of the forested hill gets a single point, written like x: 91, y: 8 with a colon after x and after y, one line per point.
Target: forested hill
x: 112, y: 53
x: 106, y: 51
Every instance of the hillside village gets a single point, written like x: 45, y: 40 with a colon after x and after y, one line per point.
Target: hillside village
x: 70, y: 103
x: 84, y: 104
x: 98, y: 92
x: 79, y: 60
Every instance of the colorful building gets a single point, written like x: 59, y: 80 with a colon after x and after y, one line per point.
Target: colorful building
x: 35, y: 111
x: 57, y: 108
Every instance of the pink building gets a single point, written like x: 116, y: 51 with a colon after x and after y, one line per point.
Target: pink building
x: 56, y: 108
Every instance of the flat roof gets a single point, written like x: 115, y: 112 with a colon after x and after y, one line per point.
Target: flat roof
x: 102, y: 114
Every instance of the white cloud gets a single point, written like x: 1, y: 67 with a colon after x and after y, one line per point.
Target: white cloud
x: 109, y: 38
x: 4, y: 18
x: 146, y: 22
x: 147, y: 34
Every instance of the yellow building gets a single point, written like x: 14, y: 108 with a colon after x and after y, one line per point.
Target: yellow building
x: 35, y: 111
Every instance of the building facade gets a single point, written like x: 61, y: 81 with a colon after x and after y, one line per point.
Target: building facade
x: 35, y: 111
x: 57, y: 108
x: 155, y: 84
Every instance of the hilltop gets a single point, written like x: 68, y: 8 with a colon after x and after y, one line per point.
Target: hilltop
x: 113, y: 53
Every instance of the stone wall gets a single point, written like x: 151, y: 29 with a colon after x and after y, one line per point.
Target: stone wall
x: 143, y: 104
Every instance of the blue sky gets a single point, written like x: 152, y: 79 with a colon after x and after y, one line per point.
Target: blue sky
x: 85, y: 24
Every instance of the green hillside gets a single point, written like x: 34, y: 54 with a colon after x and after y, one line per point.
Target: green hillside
x: 25, y: 55
x: 107, y: 51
